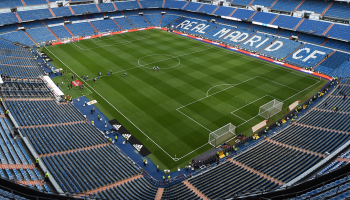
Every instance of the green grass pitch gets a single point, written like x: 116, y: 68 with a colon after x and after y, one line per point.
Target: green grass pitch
x: 199, y: 88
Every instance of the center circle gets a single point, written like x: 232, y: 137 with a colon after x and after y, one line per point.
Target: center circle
x: 163, y: 61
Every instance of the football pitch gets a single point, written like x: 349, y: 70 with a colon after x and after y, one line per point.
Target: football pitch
x: 198, y: 89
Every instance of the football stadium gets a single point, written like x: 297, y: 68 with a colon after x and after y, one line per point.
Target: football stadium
x: 174, y: 99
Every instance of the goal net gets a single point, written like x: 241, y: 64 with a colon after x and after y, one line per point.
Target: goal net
x: 270, y: 109
x: 221, y: 135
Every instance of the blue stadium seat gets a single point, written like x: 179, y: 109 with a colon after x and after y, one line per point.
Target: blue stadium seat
x: 61, y: 32
x: 174, y: 4
x: 339, y: 10
x: 61, y: 11
x: 314, y: 5
x: 138, y: 21
x: 127, y: 5
x: 224, y: 11
x: 18, y: 36
x: 339, y: 31
x: 41, y: 34
x: 281, y: 48
x: 84, y: 9
x: 192, y: 6
x: 105, y: 25
x: 106, y: 7
x: 263, y: 17
x: 207, y: 8
x: 286, y: 5
x: 81, y: 29
x: 313, y: 26
x: 286, y: 21
x: 34, y: 14
x: 309, y: 55
x: 243, y: 14
x: 151, y: 4
x: 8, y: 18
x: 153, y: 19
x: 258, y: 42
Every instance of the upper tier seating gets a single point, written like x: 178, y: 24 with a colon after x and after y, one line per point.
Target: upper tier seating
x: 287, y: 33
x: 34, y: 14
x: 8, y: 28
x: 105, y: 25
x: 131, y: 12
x: 140, y: 188
x: 313, y: 26
x: 61, y: 32
x: 124, y: 23
x: 340, y: 31
x: 152, y: 4
x: 265, y: 3
x: 175, y: 12
x: 339, y: 10
x: 32, y: 24
x: 83, y: 9
x: 138, y: 21
x: 314, y: 5
x: 192, y: 6
x: 81, y: 29
x: 275, y: 50
x: 64, y: 168
x: 106, y: 7
x: 286, y: 5
x: 25, y: 90
x: 41, y: 34
x: 224, y: 11
x: 187, y: 24
x: 258, y: 42
x: 18, y: 36
x: 59, y: 138
x: 8, y: 18
x: 34, y: 2
x: 10, y: 4
x: 243, y: 13
x: 174, y: 4
x: 207, y: 8
x: 241, y: 2
x: 309, y: 55
x: 167, y: 19
x: 62, y: 11
x: 263, y: 17
x: 178, y: 191
x: 127, y: 5
x: 286, y: 21
x: 291, y: 162
x: 40, y: 112
x: 219, y: 184
x: 154, y: 20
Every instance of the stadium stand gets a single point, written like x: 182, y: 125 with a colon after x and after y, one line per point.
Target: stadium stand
x: 241, y: 2
x: 152, y: 4
x: 10, y: 4
x: 314, y: 5
x: 338, y: 10
x: 224, y: 11
x: 34, y: 14
x: 286, y: 21
x: 153, y: 19
x: 202, y: 28
x: 193, y: 6
x: 61, y: 11
x: 39, y: 112
x: 238, y: 36
x: 127, y: 5
x: 286, y: 5
x: 313, y: 26
x: 265, y: 3
x: 61, y: 32
x: 106, y: 7
x: 123, y: 23
x: 207, y: 8
x: 81, y: 29
x: 138, y: 21
x: 217, y: 183
x: 339, y: 31
x: 174, y: 4
x: 84, y: 9
x: 131, y: 12
x: 34, y: 2
x: 167, y: 19
x: 32, y: 24
x: 265, y: 29
x: 333, y: 62
x: 8, y: 18
x: 309, y: 55
x: 53, y: 21
x: 25, y: 89
x: 140, y: 188
x: 8, y: 28
x: 311, y: 38
x: 219, y: 32
x: 258, y: 42
x: 287, y: 33
x: 18, y: 36
x: 178, y: 191
x: 41, y: 34
x: 105, y: 25
x: 243, y: 14
x: 263, y: 17
x: 175, y: 12
x: 345, y: 46
x: 274, y: 50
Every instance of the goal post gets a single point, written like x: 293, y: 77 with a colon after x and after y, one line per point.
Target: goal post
x: 270, y: 109
x: 221, y: 135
